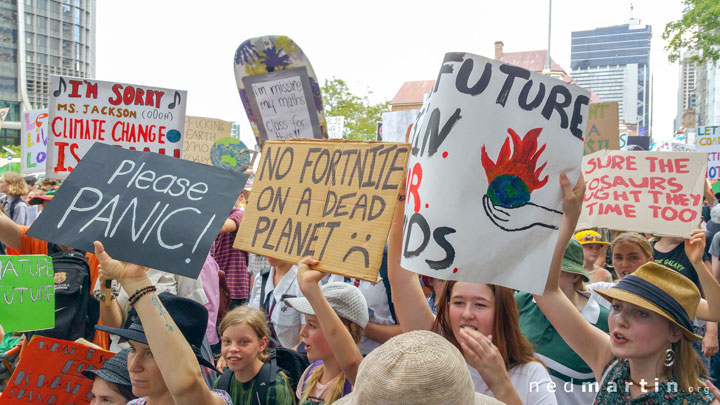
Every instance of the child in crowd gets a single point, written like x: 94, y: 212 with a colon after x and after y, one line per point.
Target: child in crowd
x: 479, y: 319
x: 335, y: 315
x: 111, y: 383
x: 244, y: 338
x: 648, y: 357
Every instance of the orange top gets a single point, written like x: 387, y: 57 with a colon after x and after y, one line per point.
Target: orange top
x: 32, y: 246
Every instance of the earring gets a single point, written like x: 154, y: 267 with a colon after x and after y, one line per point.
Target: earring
x: 669, y: 357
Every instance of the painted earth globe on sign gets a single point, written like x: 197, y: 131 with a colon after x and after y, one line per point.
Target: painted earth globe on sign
x: 230, y: 154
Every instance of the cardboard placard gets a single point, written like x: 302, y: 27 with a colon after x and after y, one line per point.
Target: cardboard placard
x: 649, y: 192
x: 201, y: 136
x: 489, y: 145
x: 28, y: 293
x: 3, y: 114
x: 84, y: 112
x: 333, y: 200
x: 708, y: 140
x: 603, y: 127
x: 146, y: 208
x: 50, y: 372
x: 282, y: 101
x: 396, y: 124
x: 336, y: 126
x: 33, y: 141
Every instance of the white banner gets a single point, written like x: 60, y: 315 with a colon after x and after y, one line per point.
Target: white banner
x: 483, y: 193
x: 83, y: 112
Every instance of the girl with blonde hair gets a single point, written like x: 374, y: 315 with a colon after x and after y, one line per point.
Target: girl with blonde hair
x: 244, y: 337
x: 14, y: 187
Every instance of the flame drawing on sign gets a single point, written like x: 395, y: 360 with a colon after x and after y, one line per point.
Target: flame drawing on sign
x: 512, y: 178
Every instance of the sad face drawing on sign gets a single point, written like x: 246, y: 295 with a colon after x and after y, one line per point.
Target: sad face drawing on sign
x: 511, y: 181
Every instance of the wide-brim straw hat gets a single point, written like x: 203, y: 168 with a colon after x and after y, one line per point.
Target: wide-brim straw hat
x: 417, y: 368
x: 661, y: 290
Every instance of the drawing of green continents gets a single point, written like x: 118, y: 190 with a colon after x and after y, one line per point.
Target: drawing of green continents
x: 230, y: 154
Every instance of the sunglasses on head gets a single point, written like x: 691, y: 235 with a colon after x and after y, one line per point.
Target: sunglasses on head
x: 592, y: 238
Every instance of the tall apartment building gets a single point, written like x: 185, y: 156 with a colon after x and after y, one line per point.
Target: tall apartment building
x: 615, y: 63
x: 39, y: 38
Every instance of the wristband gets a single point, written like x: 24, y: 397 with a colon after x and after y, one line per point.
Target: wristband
x: 139, y: 293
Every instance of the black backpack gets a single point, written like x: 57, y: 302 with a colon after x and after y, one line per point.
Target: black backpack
x: 76, y: 310
x: 292, y: 363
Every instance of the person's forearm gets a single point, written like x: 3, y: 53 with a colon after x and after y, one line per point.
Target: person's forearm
x: 172, y: 353
x: 336, y: 334
x: 411, y: 308
x: 9, y: 232
x: 111, y: 315
x: 711, y: 288
x: 381, y: 333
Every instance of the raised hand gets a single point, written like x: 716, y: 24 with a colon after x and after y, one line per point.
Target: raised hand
x: 111, y: 269
x: 695, y: 246
x: 308, y: 278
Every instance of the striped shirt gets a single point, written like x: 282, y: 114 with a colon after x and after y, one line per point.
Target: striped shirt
x: 232, y: 261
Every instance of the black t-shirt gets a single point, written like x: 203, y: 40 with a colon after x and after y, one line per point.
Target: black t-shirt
x: 677, y: 260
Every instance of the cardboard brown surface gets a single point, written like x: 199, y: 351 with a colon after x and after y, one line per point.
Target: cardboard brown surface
x: 603, y: 127
x: 331, y: 199
x: 648, y: 192
x: 200, y: 135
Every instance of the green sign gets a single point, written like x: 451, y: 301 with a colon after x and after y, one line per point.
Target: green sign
x: 27, y: 293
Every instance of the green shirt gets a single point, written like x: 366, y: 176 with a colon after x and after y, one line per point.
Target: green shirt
x: 241, y: 393
x: 8, y: 342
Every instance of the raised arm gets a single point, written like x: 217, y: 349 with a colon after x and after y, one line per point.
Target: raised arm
x: 708, y: 309
x: 9, y: 232
x: 338, y: 337
x: 411, y: 308
x: 172, y: 353
x: 589, y: 342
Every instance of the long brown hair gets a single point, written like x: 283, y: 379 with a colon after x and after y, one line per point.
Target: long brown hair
x: 506, y: 335
x: 688, y: 368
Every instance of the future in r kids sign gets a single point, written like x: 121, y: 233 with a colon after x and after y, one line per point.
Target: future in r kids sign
x: 146, y: 208
x: 483, y: 193
x: 84, y: 112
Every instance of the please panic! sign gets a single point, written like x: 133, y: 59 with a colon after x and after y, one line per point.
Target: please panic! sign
x: 84, y: 112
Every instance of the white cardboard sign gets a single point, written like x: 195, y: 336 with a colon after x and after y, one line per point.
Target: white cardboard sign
x: 483, y: 193
x: 84, y: 112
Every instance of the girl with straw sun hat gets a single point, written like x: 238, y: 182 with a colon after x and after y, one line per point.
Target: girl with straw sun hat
x: 648, y: 357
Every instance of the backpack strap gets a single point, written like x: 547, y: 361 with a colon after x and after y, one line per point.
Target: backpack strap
x: 308, y: 372
x: 347, y: 387
x: 225, y: 378
x: 265, y: 378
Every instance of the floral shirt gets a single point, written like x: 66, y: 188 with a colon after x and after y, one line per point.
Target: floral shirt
x: 222, y: 394
x: 615, y: 390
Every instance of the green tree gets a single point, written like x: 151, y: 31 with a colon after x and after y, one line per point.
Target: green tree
x: 698, y: 30
x: 361, y: 116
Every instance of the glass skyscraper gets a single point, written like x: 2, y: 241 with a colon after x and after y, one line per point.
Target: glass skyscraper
x: 615, y: 63
x: 39, y: 38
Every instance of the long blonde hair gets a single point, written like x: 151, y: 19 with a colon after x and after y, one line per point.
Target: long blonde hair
x: 336, y: 391
x: 688, y: 368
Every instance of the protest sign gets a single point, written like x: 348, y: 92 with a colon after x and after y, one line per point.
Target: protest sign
x: 279, y: 89
x: 650, y: 192
x: 708, y: 140
x: 84, y: 112
x: 483, y: 196
x: 28, y: 291
x: 333, y: 200
x: 603, y: 131
x: 201, y: 134
x: 396, y: 124
x: 33, y: 141
x: 336, y: 126
x: 146, y: 208
x: 638, y: 143
x: 50, y: 372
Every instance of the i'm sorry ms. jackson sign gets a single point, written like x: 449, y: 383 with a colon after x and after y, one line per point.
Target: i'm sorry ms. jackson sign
x: 146, y: 208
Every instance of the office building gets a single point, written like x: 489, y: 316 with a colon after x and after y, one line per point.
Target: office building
x: 615, y: 63
x: 39, y: 38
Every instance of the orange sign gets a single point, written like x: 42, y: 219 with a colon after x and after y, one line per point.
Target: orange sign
x: 49, y: 372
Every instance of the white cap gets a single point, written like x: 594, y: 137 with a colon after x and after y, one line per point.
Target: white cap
x: 346, y: 299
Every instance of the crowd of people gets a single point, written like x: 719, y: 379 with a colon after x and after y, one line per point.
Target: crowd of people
x: 624, y: 318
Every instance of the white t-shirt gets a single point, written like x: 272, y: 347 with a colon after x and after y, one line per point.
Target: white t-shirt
x: 285, y: 320
x: 531, y: 381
